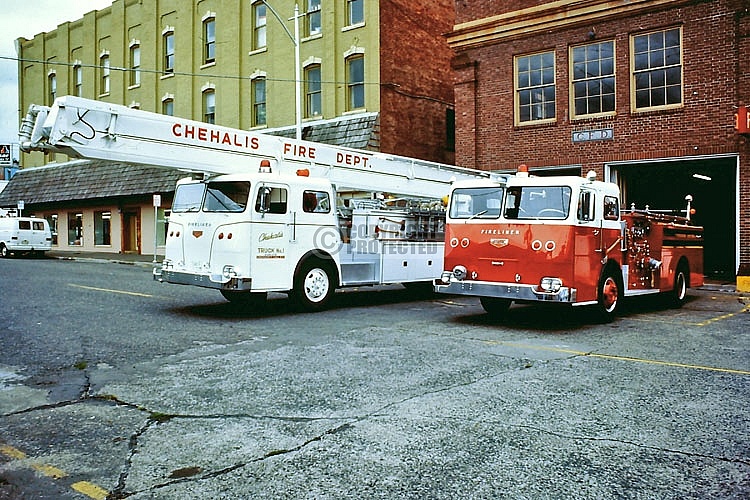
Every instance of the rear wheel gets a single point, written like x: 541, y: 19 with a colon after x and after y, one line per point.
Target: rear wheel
x: 679, y: 289
x: 314, y: 285
x: 609, y: 295
x: 495, y: 307
x: 243, y: 298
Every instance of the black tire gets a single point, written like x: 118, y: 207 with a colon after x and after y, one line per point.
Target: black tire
x: 495, y: 307
x: 609, y: 295
x: 4, y: 252
x: 251, y: 300
x: 678, y: 295
x: 314, y: 285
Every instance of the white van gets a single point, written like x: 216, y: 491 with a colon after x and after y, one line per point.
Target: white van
x: 24, y: 234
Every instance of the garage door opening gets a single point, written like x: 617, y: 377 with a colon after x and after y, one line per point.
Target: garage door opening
x: 712, y: 183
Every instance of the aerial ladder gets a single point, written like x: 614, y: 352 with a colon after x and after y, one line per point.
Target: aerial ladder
x: 259, y: 213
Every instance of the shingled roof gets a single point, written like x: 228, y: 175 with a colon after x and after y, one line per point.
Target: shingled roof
x: 360, y: 131
x: 87, y: 180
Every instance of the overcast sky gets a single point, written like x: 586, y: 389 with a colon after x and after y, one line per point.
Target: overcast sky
x: 26, y: 18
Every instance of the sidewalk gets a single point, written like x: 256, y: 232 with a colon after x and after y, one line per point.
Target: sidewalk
x: 121, y: 258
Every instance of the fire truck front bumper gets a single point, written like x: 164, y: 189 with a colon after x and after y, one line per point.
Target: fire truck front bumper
x: 511, y: 291
x: 220, y: 282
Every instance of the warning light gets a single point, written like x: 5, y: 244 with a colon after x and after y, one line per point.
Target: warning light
x: 303, y: 172
x: 265, y: 167
x: 523, y: 170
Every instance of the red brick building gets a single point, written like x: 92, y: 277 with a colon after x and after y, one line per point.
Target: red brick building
x: 644, y: 92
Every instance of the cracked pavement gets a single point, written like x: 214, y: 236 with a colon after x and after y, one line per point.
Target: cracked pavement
x: 384, y: 396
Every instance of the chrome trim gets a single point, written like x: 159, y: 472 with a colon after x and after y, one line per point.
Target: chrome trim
x: 511, y: 291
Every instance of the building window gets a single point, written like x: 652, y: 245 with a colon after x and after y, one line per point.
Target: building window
x: 102, y: 228
x: 75, y: 229
x: 312, y: 21
x: 355, y: 78
x: 162, y: 224
x: 78, y: 80
x: 657, y: 69
x: 52, y: 82
x: 593, y: 78
x: 355, y: 11
x: 209, y: 106
x: 168, y: 41
x: 535, y: 87
x: 209, y: 40
x: 259, y: 102
x: 135, y: 65
x: 313, y: 102
x: 259, y: 25
x: 167, y: 107
x: 104, y: 74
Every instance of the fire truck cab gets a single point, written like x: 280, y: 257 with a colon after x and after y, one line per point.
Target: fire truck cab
x: 562, y: 240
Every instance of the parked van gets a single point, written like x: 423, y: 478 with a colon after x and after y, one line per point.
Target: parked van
x: 23, y: 235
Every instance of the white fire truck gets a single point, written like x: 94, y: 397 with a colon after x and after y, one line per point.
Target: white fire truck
x: 563, y: 240
x: 268, y: 214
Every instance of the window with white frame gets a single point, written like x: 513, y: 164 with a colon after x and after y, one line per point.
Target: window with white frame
x: 169, y: 53
x: 657, y: 69
x: 209, y: 40
x: 167, y: 106
x: 312, y: 18
x: 52, y: 84
x: 259, y: 101
x: 78, y: 80
x: 593, y: 78
x: 104, y: 74
x: 259, y: 25
x: 355, y: 12
x: 535, y: 87
x: 313, y: 97
x: 355, y: 79
x: 135, y: 64
x: 209, y: 106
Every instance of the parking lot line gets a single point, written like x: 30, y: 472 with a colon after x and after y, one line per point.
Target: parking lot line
x: 86, y: 488
x: 616, y: 357
x: 137, y: 294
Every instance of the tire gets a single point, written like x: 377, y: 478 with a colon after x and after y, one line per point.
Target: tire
x: 314, y: 285
x: 251, y: 300
x: 495, y: 307
x: 678, y: 295
x: 609, y: 295
x: 4, y: 253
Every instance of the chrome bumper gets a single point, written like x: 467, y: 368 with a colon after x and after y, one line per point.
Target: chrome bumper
x: 203, y: 280
x: 511, y: 291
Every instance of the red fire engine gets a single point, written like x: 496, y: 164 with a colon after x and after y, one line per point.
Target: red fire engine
x: 565, y: 240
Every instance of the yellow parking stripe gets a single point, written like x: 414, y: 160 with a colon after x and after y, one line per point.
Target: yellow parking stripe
x: 620, y: 358
x: 137, y: 294
x: 89, y: 489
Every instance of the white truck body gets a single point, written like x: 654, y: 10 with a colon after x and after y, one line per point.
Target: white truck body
x: 24, y: 235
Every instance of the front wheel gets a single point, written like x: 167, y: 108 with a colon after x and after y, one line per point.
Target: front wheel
x: 4, y: 252
x: 314, y: 285
x: 678, y: 296
x: 608, y: 296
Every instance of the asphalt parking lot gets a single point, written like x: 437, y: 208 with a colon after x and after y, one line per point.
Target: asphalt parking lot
x: 169, y: 392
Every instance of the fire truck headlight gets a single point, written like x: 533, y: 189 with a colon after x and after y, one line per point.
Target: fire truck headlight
x: 446, y: 276
x: 228, y: 272
x: 459, y: 272
x: 550, y: 285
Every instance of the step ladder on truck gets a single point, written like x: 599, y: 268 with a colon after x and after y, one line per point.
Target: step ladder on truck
x: 260, y: 213
x: 563, y: 240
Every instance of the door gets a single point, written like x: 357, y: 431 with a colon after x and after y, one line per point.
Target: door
x: 131, y: 231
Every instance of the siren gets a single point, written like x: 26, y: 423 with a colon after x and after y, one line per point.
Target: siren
x: 523, y: 170
x: 265, y: 167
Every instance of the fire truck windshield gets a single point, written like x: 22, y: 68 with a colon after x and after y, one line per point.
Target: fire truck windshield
x: 537, y: 202
x: 212, y: 197
x: 471, y: 203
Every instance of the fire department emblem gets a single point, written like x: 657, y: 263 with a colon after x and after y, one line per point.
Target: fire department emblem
x: 499, y: 242
x: 197, y: 234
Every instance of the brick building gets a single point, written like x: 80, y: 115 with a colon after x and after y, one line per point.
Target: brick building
x: 378, y: 70
x: 643, y: 92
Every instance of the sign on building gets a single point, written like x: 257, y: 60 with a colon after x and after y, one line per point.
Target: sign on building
x: 4, y: 154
